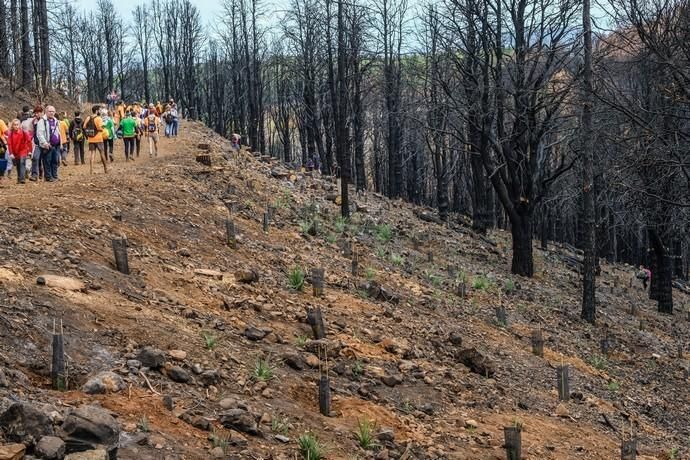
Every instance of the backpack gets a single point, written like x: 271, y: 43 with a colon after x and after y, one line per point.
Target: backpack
x: 169, y: 118
x: 151, y: 125
x: 90, y: 129
x: 77, y: 130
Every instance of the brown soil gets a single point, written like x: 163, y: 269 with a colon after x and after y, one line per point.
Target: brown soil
x: 172, y: 212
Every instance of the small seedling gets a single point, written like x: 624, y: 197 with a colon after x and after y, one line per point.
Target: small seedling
x: 357, y: 369
x: 210, y: 340
x: 673, y: 453
x: 380, y: 252
x: 407, y: 407
x: 599, y: 362
x: 263, y: 369
x: 310, y: 448
x: 331, y: 238
x: 518, y: 424
x: 280, y: 425
x: 365, y: 434
x: 508, y: 286
x: 143, y: 424
x: 370, y: 273
x: 433, y: 278
x: 340, y: 224
x: 613, y: 386
x: 220, y: 440
x: 301, y: 341
x: 384, y: 233
x: 296, y: 279
x: 480, y: 283
x: 397, y: 259
x: 362, y: 294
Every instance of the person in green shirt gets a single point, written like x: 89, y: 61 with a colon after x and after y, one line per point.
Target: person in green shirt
x: 109, y: 142
x: 128, y: 125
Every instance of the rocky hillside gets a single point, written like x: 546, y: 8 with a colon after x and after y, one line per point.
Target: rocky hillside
x: 204, y: 350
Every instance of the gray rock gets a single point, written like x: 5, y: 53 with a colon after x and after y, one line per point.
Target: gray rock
x: 22, y: 422
x: 240, y: 420
x: 455, y: 338
x: 294, y: 360
x: 392, y: 379
x: 210, y: 377
x: 96, y: 454
x: 51, y: 448
x: 476, y: 362
x: 105, y: 382
x: 89, y: 428
x: 281, y: 438
x: 255, y: 334
x: 228, y: 403
x: 178, y: 374
x: 197, y: 369
x: 386, y: 435
x: 151, y: 357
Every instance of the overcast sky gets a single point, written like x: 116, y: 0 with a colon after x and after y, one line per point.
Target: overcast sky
x: 209, y: 9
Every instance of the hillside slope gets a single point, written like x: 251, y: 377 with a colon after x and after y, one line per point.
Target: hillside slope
x: 398, y: 336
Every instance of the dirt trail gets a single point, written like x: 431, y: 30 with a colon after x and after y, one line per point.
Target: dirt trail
x: 393, y: 329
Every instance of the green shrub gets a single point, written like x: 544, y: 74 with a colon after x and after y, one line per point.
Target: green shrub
x: 613, y: 386
x: 370, y: 273
x: 310, y: 448
x: 481, y: 283
x: 384, y: 233
x: 340, y: 224
x: 263, y: 369
x: 296, y: 279
x: 210, y: 340
x: 598, y: 362
x: 508, y: 286
x: 397, y: 259
x: 365, y: 434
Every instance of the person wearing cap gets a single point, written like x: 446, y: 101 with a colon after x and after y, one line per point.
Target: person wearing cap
x: 49, y: 142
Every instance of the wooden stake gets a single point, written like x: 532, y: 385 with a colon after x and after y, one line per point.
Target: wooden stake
x: 538, y: 342
x: 57, y: 370
x: 629, y: 449
x: 563, y: 382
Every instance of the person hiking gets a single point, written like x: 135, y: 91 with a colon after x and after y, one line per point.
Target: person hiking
x: 111, y: 100
x: 19, y: 143
x: 645, y: 275
x: 168, y: 119
x: 175, y: 119
x: 129, y: 133
x: 95, y: 132
x: 29, y: 125
x: 235, y: 142
x: 48, y: 135
x: 64, y: 139
x: 109, y: 140
x: 76, y: 135
x: 151, y: 128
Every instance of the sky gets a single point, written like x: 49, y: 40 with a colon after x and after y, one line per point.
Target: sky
x: 209, y: 9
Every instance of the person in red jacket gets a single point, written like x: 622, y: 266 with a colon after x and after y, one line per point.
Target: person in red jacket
x: 19, y: 144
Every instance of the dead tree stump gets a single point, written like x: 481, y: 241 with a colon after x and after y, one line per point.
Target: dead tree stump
x: 315, y: 319
x: 430, y: 257
x: 563, y: 382
x: 501, y: 316
x: 120, y: 252
x: 317, y: 281
x: 513, y: 442
x: 265, y: 222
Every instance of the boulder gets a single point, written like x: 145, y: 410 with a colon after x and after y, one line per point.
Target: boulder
x: 105, y: 382
x: 210, y: 377
x: 51, y: 448
x: 476, y: 362
x: 90, y: 428
x: 22, y: 422
x: 151, y: 357
x: 178, y: 374
x: 240, y: 420
x: 254, y: 333
x: 12, y: 452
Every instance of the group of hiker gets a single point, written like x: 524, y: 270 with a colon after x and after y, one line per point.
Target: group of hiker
x: 37, y: 142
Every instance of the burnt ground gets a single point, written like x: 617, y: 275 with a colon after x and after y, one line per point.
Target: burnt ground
x: 397, y: 333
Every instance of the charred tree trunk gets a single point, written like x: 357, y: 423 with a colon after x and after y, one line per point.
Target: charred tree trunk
x: 664, y: 273
x: 521, y: 231
x: 26, y: 59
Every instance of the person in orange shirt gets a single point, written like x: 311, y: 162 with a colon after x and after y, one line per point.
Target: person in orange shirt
x: 64, y: 140
x: 95, y: 133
